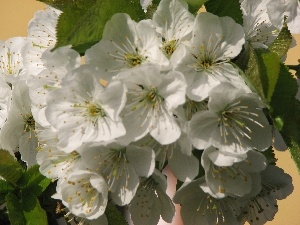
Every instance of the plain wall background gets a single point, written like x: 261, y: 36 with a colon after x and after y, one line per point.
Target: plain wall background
x: 14, y: 18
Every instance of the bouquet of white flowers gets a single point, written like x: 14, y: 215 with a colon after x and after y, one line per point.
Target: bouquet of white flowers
x: 102, y: 96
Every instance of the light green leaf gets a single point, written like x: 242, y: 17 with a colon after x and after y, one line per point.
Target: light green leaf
x: 114, y: 216
x: 32, y: 210
x: 81, y: 25
x: 231, y: 8
x: 261, y: 71
x: 33, y: 181
x: 15, y: 211
x: 283, y: 41
x: 10, y: 169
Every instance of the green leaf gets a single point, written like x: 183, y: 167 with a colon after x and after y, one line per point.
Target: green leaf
x: 285, y: 112
x: 295, y: 152
x: 81, y: 25
x: 59, y: 4
x: 10, y: 169
x: 261, y: 71
x: 231, y: 8
x: 282, y: 105
x: 195, y: 5
x: 15, y: 211
x: 5, y: 188
x: 32, y: 210
x: 283, y: 41
x: 33, y: 181
x: 114, y: 215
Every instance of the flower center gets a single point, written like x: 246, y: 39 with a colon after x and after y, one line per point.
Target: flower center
x: 146, y: 98
x: 95, y: 110
x: 133, y: 60
x: 29, y: 123
x: 169, y: 47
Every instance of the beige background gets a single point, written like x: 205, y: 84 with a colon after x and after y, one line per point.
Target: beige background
x: 14, y: 18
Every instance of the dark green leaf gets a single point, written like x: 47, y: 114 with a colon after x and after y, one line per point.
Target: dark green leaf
x: 33, y: 181
x: 5, y: 188
x: 282, y: 105
x: 81, y: 25
x: 10, y: 169
x: 283, y: 41
x: 32, y: 210
x: 114, y: 215
x: 295, y: 152
x: 231, y: 8
x: 285, y: 112
x: 15, y: 211
x: 261, y: 71
x: 270, y: 155
x: 195, y: 5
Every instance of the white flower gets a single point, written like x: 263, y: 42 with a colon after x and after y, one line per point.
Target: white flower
x: 233, y: 175
x: 290, y: 8
x: 174, y: 23
x: 120, y: 166
x: 198, y: 207
x: 152, y: 97
x: 11, y: 61
x: 184, y: 165
x: 151, y: 201
x: 234, y: 122
x: 125, y: 44
x: 53, y: 162
x: 84, y: 193
x: 19, y: 129
x: 56, y: 65
x: 262, y: 208
x: 41, y: 35
x: 5, y: 99
x: 205, y: 61
x: 83, y: 110
x: 259, y: 30
x: 145, y: 4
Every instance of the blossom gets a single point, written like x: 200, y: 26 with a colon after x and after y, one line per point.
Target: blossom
x: 125, y: 44
x: 53, y: 162
x: 120, y: 166
x: 11, y: 61
x: 41, y: 35
x: 177, y: 153
x: 291, y: 8
x: 205, y: 61
x: 84, y: 193
x: 5, y: 100
x: 82, y: 110
x: 198, y: 207
x: 152, y: 97
x: 234, y: 122
x: 19, y: 129
x: 259, y: 31
x: 151, y: 201
x: 234, y: 175
x: 145, y: 4
x: 263, y: 206
x: 174, y: 23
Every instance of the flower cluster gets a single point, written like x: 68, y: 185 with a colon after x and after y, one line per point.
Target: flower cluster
x: 152, y: 93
